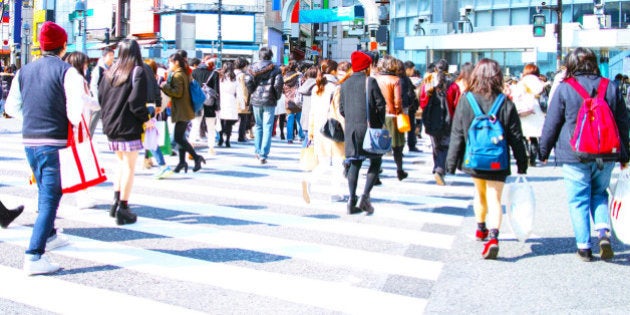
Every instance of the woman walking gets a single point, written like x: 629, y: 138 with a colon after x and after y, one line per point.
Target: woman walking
x: 293, y: 105
x: 485, y: 87
x: 229, y: 107
x: 586, y: 180
x: 526, y: 98
x: 176, y: 86
x: 122, y: 94
x: 389, y: 83
x: 358, y: 89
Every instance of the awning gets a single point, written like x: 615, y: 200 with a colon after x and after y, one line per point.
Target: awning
x: 332, y: 15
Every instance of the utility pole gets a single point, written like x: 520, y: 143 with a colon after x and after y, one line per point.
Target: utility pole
x: 558, y: 29
x: 219, y: 57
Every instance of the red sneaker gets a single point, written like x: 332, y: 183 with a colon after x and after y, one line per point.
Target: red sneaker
x: 481, y: 235
x: 491, y: 249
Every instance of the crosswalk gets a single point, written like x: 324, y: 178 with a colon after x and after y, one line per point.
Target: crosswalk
x: 235, y: 237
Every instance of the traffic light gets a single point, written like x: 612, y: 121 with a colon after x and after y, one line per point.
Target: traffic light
x: 539, y: 25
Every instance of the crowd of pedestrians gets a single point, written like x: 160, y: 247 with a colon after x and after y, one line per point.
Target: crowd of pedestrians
x: 130, y: 95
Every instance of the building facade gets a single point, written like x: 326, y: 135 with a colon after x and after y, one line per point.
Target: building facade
x: 468, y: 30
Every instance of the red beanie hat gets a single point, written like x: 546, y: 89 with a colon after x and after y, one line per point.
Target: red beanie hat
x: 52, y: 36
x: 360, y: 61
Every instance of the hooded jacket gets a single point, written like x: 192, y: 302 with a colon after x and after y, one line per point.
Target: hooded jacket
x: 268, y: 83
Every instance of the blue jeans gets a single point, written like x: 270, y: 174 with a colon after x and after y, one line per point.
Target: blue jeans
x: 586, y: 189
x: 262, y: 131
x: 159, y: 157
x: 294, y: 119
x: 44, y: 162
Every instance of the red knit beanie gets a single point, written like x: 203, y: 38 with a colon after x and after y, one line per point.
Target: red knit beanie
x: 52, y: 36
x: 360, y: 61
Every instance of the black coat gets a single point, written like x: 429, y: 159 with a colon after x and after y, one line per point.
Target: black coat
x: 562, y: 116
x: 268, y: 84
x: 352, y: 106
x: 464, y: 115
x: 124, y: 107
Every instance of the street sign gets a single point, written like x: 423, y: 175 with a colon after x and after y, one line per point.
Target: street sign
x: 75, y: 15
x: 321, y: 37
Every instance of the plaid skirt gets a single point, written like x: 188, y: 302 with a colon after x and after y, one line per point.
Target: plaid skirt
x: 126, y: 146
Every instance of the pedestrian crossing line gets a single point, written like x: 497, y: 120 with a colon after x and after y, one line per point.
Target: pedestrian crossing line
x: 325, y: 294
x: 64, y: 297
x: 319, y: 253
x: 363, y: 230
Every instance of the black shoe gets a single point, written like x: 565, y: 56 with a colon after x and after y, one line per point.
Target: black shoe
x: 352, y: 205
x: 198, y: 160
x: 241, y: 140
x: 125, y: 216
x: 227, y: 144
x: 366, y: 205
x: 263, y: 161
x: 181, y: 166
x: 585, y: 254
x: 112, y: 210
x: 7, y: 216
x: 414, y: 149
x: 378, y: 182
x: 402, y: 175
x: 605, y: 250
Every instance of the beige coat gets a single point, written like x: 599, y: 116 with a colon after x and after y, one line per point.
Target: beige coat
x: 322, y: 107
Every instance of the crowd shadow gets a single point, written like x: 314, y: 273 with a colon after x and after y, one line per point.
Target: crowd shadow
x: 221, y: 255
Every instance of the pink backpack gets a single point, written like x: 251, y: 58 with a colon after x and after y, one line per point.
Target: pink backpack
x: 596, y: 135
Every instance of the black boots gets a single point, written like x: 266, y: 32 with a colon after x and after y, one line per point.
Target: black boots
x: 352, y: 205
x: 7, y: 216
x: 112, y: 210
x: 401, y: 174
x: 366, y: 205
x: 198, y: 160
x: 180, y: 166
x: 124, y: 214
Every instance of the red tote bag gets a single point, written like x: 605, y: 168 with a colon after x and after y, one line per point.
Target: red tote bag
x: 78, y: 162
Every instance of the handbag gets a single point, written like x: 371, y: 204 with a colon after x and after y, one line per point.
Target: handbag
x: 402, y: 123
x: 332, y: 130
x: 376, y: 140
x: 152, y: 137
x: 618, y: 206
x: 78, y: 162
x: 308, y: 158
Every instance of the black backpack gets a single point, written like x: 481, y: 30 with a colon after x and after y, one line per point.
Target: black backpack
x: 436, y: 117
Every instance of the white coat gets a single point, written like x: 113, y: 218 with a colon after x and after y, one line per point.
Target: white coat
x: 229, y: 108
x: 525, y: 95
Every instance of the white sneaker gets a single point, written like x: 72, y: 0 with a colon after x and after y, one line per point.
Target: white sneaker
x: 337, y: 198
x: 38, y: 267
x: 56, y: 241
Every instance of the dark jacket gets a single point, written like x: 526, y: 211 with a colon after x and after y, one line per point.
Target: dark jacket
x: 290, y: 89
x: 507, y: 115
x: 352, y: 106
x: 178, y: 88
x: 124, y: 107
x: 210, y: 77
x: 153, y: 89
x: 409, y: 98
x: 562, y: 116
x: 268, y: 83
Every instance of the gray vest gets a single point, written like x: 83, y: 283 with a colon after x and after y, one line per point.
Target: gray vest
x: 44, y: 99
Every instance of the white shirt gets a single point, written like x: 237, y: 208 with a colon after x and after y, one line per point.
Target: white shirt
x: 73, y: 85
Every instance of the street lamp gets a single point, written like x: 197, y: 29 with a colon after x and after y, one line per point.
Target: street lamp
x: 26, y: 30
x: 80, y: 7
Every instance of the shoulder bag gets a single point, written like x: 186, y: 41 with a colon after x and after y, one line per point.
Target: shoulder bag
x: 332, y: 128
x: 376, y: 140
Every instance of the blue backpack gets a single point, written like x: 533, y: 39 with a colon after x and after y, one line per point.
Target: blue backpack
x: 486, y: 147
x: 196, y: 95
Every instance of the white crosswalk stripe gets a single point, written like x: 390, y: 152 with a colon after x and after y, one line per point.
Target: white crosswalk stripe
x: 237, y: 232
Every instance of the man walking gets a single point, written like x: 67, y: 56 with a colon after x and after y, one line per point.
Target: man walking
x: 46, y: 94
x: 268, y: 89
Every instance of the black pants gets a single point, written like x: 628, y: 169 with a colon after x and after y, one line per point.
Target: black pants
x: 180, y: 138
x: 243, y: 126
x: 440, y: 151
x: 533, y: 150
x: 280, y: 121
x: 412, y: 140
x: 226, y: 129
x: 372, y: 175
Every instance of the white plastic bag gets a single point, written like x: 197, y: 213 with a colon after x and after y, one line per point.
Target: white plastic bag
x: 151, y: 137
x: 619, y: 207
x: 520, y: 207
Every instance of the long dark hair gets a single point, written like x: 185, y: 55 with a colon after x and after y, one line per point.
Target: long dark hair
x: 581, y: 60
x: 77, y: 60
x: 178, y: 59
x: 486, y: 78
x: 129, y: 57
x: 228, y: 71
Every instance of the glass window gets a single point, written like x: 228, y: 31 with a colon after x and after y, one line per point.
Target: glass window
x: 400, y: 8
x: 483, y: 19
x: 412, y: 7
x: 521, y: 16
x: 501, y: 17
x: 424, y: 5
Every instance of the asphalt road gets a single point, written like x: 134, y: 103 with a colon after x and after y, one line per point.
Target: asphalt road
x: 237, y: 237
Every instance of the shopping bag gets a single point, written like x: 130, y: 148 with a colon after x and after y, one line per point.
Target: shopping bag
x: 402, y: 123
x: 151, y: 137
x: 79, y: 166
x: 308, y: 159
x: 520, y: 207
x: 161, y: 129
x: 620, y: 208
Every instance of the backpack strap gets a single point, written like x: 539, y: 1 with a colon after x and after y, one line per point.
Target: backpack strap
x: 497, y: 105
x: 473, y: 104
x: 601, y: 89
x: 577, y: 87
